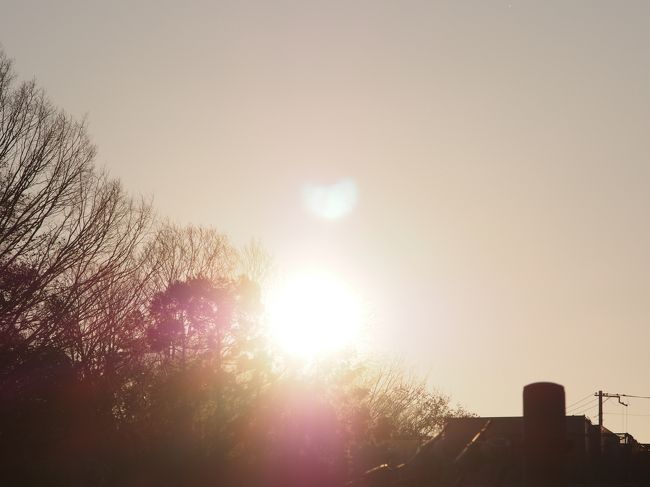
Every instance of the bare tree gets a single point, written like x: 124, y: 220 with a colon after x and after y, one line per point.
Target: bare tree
x: 64, y: 227
x: 70, y: 276
x: 255, y: 263
x: 403, y: 405
x: 177, y: 253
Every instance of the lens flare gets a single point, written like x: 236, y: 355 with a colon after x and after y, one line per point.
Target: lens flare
x: 313, y: 314
x: 332, y: 201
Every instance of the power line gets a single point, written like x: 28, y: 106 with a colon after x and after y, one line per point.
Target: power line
x: 582, y: 410
x: 590, y: 408
x: 583, y: 406
x: 600, y: 395
x: 630, y: 395
x: 580, y: 407
x: 579, y: 401
x: 586, y: 406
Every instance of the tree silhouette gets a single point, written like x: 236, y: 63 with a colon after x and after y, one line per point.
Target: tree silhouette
x: 133, y: 352
x: 68, y: 224
x: 190, y: 320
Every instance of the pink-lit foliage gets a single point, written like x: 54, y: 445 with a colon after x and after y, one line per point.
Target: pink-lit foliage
x: 132, y: 351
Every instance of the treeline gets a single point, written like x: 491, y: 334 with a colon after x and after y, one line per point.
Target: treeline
x: 133, y: 352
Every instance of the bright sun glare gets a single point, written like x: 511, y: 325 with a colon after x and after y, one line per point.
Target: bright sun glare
x: 313, y: 314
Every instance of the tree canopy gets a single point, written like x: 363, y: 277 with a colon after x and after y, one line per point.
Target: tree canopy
x: 133, y: 351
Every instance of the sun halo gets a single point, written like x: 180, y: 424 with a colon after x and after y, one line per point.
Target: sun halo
x: 313, y: 314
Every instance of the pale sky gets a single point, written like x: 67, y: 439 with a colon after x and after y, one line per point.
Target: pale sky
x: 495, y: 155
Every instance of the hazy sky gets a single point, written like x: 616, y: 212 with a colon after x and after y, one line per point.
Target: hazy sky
x: 497, y: 153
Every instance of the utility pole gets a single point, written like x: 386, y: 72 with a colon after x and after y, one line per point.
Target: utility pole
x: 600, y: 423
x: 600, y: 395
x: 600, y: 408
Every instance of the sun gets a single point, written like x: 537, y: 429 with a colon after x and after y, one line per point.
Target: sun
x: 313, y: 314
